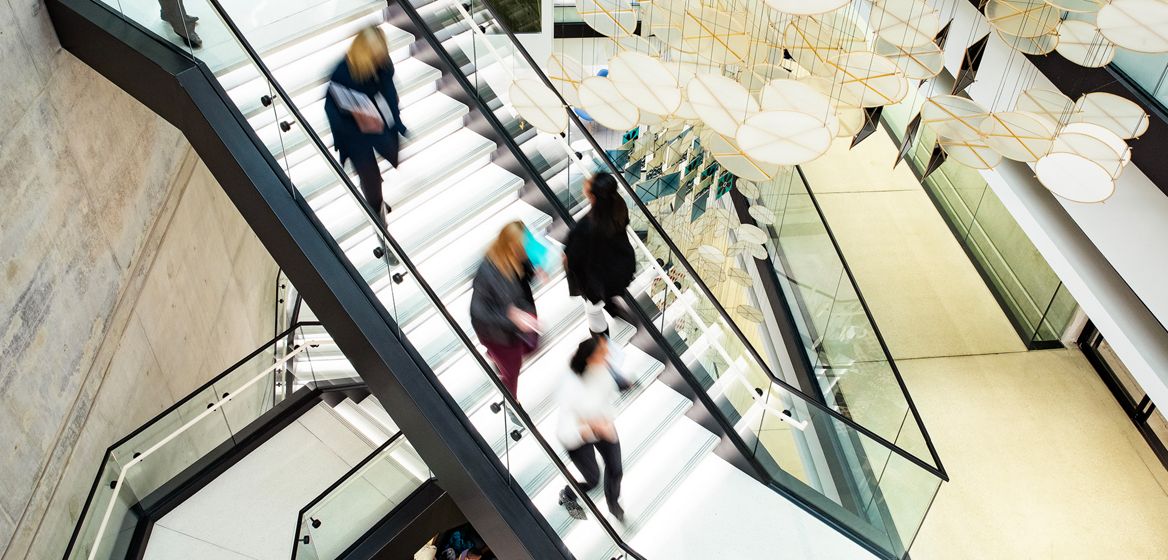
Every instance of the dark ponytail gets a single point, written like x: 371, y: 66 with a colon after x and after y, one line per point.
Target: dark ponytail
x: 608, y: 212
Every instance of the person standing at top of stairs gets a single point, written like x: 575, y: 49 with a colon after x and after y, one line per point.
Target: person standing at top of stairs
x: 183, y: 24
x: 363, y: 113
x: 598, y: 257
x: 502, y: 305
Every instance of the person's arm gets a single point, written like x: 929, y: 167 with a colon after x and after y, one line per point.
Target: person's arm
x: 389, y: 90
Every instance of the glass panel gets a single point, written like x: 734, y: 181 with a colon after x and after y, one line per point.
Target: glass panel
x: 204, y: 422
x: 364, y: 497
x: 1012, y: 265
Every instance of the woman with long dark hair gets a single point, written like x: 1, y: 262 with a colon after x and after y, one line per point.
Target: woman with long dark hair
x: 363, y: 113
x: 599, y: 259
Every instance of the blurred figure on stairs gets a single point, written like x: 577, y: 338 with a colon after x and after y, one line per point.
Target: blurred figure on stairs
x: 599, y: 259
x: 587, y: 399
x: 502, y: 305
x: 183, y: 24
x: 363, y: 112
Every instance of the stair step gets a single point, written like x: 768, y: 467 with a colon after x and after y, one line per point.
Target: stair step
x: 369, y: 429
x: 374, y: 410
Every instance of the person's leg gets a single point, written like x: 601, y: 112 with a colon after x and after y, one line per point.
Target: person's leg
x: 614, y: 307
x: 508, y: 359
x: 370, y: 177
x: 610, y: 452
x: 584, y: 457
x: 174, y: 13
x: 389, y: 151
x: 597, y: 322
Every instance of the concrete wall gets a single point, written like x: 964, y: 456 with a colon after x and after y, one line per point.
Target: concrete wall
x: 127, y: 278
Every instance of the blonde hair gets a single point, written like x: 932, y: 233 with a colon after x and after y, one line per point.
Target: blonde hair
x: 507, y: 250
x: 367, y: 54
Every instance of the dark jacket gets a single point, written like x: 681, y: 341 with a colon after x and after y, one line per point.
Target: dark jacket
x: 347, y: 136
x: 599, y: 266
x: 492, y: 296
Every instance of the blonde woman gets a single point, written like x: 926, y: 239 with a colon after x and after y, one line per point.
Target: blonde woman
x: 363, y: 113
x: 502, y: 307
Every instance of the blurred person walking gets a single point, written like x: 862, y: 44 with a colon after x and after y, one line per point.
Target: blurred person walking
x: 587, y: 398
x: 599, y: 259
x: 502, y: 305
x: 175, y: 13
x: 363, y: 113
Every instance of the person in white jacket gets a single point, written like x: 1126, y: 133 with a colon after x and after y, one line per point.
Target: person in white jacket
x: 587, y: 398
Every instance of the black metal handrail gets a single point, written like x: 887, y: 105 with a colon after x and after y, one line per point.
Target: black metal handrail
x: 815, y: 403
x: 336, y: 484
x: 405, y: 260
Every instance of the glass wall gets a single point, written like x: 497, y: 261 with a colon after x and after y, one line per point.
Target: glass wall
x: 1029, y: 290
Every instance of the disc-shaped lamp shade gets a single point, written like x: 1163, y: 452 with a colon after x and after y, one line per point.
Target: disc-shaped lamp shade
x: 1094, y: 143
x: 645, y: 82
x: 748, y: 189
x: 867, y: 79
x: 711, y: 254
x: 734, y: 160
x: 972, y: 153
x: 918, y: 63
x: 757, y: 251
x: 1077, y: 6
x: 793, y: 95
x: 1036, y: 45
x: 715, y: 35
x: 761, y: 214
x: 759, y: 75
x: 1138, y: 25
x: 605, y: 104
x: 806, y: 7
x: 1022, y: 18
x: 1074, y: 177
x: 751, y: 233
x: 851, y: 119
x: 1082, y: 43
x: 784, y: 137
x: 905, y: 23
x: 748, y: 312
x: 813, y: 42
x: 611, y: 18
x: 739, y: 276
x: 953, y: 118
x: 1118, y: 114
x: 723, y: 104
x: 565, y: 74
x: 1049, y: 104
x: 538, y: 105
x: 1018, y: 135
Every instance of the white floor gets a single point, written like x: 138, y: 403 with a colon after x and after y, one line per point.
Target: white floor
x: 726, y: 514
x: 251, y: 510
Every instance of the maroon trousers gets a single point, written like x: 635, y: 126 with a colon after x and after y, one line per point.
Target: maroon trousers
x: 509, y: 359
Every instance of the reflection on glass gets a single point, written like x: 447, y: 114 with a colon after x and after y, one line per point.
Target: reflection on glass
x: 1029, y: 290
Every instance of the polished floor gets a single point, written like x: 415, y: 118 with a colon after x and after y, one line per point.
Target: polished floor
x: 1043, y: 462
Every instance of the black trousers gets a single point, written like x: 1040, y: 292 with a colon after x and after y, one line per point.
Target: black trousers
x: 172, y: 11
x: 369, y: 173
x: 585, y: 460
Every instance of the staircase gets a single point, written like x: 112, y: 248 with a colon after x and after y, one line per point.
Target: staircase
x: 451, y: 193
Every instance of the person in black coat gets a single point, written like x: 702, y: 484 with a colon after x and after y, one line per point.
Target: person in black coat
x: 599, y: 259
x: 363, y: 113
x: 175, y: 13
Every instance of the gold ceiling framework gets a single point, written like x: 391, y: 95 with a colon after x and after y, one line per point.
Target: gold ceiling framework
x: 719, y: 66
